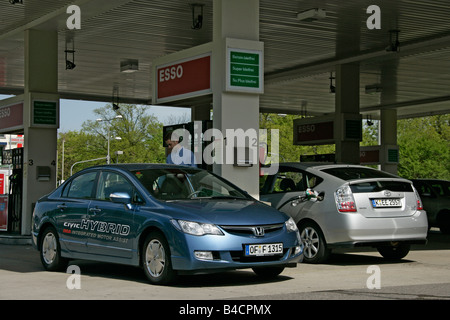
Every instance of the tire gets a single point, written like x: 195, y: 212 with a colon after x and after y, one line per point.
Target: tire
x: 268, y: 272
x: 50, y: 252
x: 394, y: 252
x: 156, y: 260
x: 314, y: 244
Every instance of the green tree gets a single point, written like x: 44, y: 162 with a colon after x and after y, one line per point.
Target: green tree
x: 424, y: 145
x: 74, y: 146
x: 140, y: 139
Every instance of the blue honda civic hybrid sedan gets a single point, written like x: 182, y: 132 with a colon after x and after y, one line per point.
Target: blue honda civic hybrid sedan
x: 168, y: 219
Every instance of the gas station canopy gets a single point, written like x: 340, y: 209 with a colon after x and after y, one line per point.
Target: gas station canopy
x: 411, y: 46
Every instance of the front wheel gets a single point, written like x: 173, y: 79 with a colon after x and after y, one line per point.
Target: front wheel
x: 156, y: 259
x: 51, y: 251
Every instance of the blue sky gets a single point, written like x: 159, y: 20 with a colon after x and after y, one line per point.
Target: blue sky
x: 74, y: 112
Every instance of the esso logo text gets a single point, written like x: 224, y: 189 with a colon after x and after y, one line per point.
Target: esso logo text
x: 5, y: 112
x: 170, y: 73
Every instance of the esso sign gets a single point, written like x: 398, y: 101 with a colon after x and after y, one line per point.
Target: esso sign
x: 183, y: 79
x: 171, y: 73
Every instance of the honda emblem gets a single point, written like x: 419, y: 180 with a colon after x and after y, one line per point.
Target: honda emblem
x: 258, y: 231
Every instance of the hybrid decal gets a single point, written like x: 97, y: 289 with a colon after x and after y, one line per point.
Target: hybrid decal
x: 105, y: 230
x: 99, y: 226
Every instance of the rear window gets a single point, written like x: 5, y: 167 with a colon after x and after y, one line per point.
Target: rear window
x: 376, y: 186
x: 357, y: 173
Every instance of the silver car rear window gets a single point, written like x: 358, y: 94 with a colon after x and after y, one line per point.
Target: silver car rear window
x: 376, y: 186
x: 349, y: 173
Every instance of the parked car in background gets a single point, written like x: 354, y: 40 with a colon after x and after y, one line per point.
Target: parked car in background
x: 337, y: 205
x: 167, y: 219
x: 435, y: 195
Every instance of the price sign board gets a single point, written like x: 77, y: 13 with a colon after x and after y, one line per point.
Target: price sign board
x: 245, y: 69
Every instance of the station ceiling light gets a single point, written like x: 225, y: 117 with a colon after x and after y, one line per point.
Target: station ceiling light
x: 129, y: 65
x: 312, y: 15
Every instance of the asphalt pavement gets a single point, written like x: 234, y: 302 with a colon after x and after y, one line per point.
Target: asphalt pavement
x: 353, y: 275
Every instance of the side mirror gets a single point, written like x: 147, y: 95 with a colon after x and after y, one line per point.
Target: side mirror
x: 120, y: 197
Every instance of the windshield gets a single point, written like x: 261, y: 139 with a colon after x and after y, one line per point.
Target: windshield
x: 181, y: 184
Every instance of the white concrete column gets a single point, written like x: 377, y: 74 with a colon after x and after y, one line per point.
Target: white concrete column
x: 236, y: 20
x: 388, y: 139
x: 347, y: 108
x: 388, y: 117
x: 41, y: 88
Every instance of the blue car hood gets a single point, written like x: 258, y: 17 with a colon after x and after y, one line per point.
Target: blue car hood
x: 226, y: 212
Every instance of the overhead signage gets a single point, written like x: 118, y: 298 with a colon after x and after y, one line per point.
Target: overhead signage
x: 313, y: 131
x: 45, y: 113
x: 245, y: 70
x: 183, y: 79
x: 369, y: 154
x: 11, y: 117
x: 322, y: 130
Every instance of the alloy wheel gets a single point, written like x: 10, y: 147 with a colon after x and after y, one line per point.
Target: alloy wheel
x: 311, y: 242
x: 155, y: 258
x: 49, y: 248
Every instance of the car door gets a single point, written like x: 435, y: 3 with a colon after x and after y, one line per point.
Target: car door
x: 72, y: 209
x: 111, y: 224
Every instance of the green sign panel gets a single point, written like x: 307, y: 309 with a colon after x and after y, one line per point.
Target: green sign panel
x: 45, y: 113
x: 353, y: 130
x: 393, y: 155
x: 244, y: 70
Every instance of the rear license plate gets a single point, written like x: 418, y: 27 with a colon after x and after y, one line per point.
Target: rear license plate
x: 268, y: 249
x: 386, y: 203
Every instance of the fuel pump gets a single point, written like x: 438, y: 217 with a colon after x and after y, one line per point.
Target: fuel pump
x: 15, y: 191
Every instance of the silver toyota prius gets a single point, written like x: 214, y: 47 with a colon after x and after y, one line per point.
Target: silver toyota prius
x: 337, y: 205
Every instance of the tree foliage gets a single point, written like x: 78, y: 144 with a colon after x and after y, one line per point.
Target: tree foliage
x: 140, y: 139
x: 424, y: 145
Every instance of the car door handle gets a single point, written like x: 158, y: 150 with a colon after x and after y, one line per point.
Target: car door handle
x: 62, y: 207
x: 95, y: 210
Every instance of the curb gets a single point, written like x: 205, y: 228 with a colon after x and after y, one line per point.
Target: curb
x: 15, y: 239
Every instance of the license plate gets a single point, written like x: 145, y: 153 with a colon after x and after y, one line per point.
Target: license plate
x: 386, y: 203
x: 268, y: 249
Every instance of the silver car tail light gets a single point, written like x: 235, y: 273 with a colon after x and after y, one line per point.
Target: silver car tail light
x: 345, y: 201
x: 418, y: 200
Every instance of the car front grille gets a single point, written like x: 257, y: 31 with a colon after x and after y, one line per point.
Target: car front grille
x: 257, y: 231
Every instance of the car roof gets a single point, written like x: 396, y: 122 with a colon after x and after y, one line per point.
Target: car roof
x: 319, y: 165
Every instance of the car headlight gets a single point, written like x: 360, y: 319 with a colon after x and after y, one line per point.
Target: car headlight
x: 290, y: 225
x: 196, y: 228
